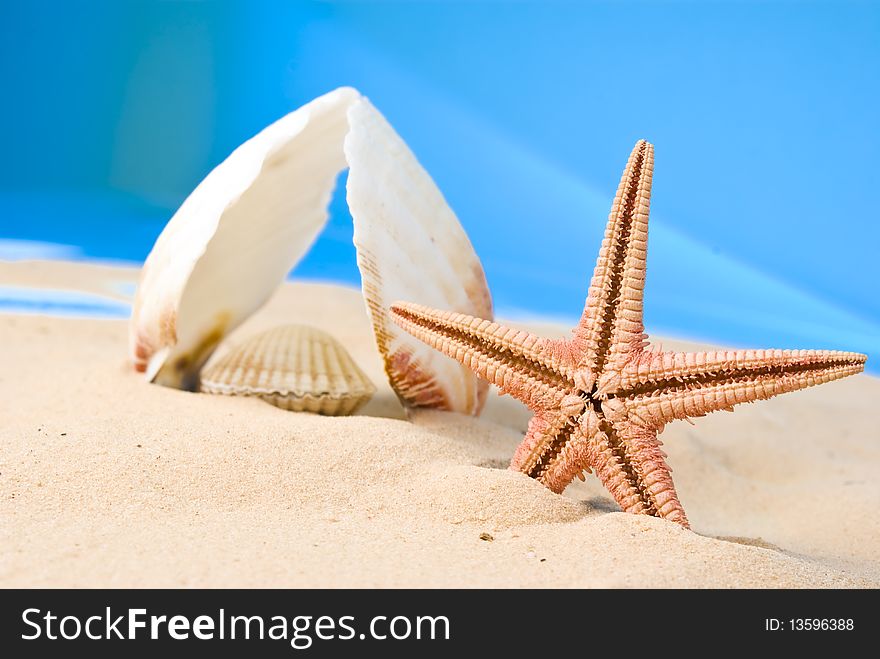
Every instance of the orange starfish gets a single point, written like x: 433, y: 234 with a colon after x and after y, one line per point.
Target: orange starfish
x: 600, y: 399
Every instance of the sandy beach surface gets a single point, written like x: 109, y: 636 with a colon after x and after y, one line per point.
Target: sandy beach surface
x: 106, y: 480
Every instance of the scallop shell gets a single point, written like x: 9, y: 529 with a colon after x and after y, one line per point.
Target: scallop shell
x: 294, y: 367
x: 234, y: 239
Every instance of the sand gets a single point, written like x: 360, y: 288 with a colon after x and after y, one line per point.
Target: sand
x: 106, y: 480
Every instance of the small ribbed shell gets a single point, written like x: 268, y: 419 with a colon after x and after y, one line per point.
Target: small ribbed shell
x: 293, y: 367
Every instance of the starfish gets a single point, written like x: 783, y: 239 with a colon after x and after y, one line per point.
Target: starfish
x: 601, y: 399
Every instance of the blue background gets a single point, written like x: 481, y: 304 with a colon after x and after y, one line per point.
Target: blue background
x: 764, y: 226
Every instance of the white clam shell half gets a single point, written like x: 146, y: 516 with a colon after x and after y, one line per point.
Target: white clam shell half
x: 247, y: 224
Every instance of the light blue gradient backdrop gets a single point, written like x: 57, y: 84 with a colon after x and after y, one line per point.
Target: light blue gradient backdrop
x: 764, y: 227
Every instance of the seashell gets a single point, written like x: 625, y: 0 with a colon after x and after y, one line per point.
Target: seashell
x: 410, y: 245
x: 246, y: 225
x: 236, y: 236
x: 293, y: 367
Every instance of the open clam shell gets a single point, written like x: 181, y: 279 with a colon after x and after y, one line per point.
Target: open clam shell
x: 246, y: 225
x: 294, y: 367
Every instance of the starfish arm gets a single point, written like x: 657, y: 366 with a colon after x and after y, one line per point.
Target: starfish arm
x: 628, y: 460
x: 659, y: 387
x: 611, y: 325
x: 535, y: 370
x: 553, y: 452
